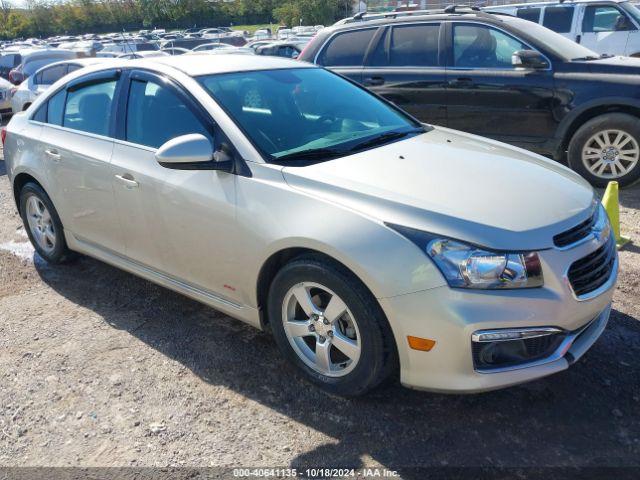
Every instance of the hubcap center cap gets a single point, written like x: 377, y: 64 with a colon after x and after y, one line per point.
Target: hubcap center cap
x: 323, y: 326
x: 610, y: 154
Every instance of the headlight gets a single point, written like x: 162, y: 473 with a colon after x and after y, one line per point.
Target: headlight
x: 467, y: 266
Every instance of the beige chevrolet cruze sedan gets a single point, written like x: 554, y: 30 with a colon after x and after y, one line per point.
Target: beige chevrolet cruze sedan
x: 373, y: 247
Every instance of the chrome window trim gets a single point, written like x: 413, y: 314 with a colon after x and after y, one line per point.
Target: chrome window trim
x: 497, y: 69
x: 71, y: 130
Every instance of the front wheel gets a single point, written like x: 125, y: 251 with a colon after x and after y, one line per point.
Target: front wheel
x: 607, y: 148
x: 327, y: 324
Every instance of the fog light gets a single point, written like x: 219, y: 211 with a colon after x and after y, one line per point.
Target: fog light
x: 496, y: 349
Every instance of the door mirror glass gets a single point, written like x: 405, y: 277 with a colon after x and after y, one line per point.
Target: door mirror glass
x: 185, y: 150
x: 529, y: 59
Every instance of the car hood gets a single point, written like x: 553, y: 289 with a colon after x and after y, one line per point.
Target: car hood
x: 456, y: 185
x: 614, y: 65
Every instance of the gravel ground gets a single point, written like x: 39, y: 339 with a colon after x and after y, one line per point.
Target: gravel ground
x: 100, y: 368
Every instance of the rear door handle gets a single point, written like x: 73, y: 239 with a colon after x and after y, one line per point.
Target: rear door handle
x: 374, y: 81
x: 127, y: 180
x: 53, y: 154
x: 461, y: 82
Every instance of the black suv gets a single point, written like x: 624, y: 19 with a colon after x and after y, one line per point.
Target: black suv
x: 501, y: 77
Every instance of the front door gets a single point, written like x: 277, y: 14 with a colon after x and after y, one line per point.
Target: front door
x: 606, y: 29
x: 488, y: 96
x: 177, y: 222
x: 406, y: 67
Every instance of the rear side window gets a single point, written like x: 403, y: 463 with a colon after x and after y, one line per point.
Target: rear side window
x: 414, y: 45
x: 156, y: 114
x: 55, y: 108
x: 531, y: 14
x: 51, y: 75
x: 88, y: 109
x: 347, y: 49
x: 73, y: 68
x: 558, y: 19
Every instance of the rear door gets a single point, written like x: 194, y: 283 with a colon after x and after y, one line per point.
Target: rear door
x: 407, y: 67
x: 345, y: 52
x: 606, y: 29
x: 78, y: 143
x: 488, y: 96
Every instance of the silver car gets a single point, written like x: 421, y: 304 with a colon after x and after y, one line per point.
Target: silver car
x: 373, y: 247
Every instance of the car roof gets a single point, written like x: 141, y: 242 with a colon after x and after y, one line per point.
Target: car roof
x: 545, y: 4
x: 193, y: 65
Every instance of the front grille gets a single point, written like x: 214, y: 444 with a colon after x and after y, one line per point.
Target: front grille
x: 593, y: 271
x: 575, y: 234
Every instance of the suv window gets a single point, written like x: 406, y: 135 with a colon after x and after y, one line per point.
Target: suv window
x: 156, y: 114
x: 88, y: 109
x: 51, y: 75
x: 605, y: 19
x: 413, y: 46
x: 476, y: 46
x: 531, y: 14
x: 347, y: 49
x: 558, y: 19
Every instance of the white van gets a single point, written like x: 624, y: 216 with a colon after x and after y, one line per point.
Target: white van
x: 607, y: 27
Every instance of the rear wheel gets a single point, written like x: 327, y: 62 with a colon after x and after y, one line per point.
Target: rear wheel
x: 328, y: 325
x: 43, y: 225
x: 607, y: 148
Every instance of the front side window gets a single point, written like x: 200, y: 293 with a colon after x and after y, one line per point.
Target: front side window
x: 477, y: 46
x: 558, y: 19
x: 347, y: 49
x: 156, y: 114
x: 297, y: 113
x: 604, y: 18
x: 55, y: 108
x: 88, y: 109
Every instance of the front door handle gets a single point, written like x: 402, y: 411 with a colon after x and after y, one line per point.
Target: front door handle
x: 374, y: 81
x: 53, y: 154
x: 127, y: 180
x: 461, y: 82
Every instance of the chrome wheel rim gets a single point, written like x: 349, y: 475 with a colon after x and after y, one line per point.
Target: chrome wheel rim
x: 321, y: 329
x: 41, y: 224
x: 610, y: 154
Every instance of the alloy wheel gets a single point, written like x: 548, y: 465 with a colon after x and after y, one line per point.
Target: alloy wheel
x: 41, y: 224
x: 610, y: 154
x: 321, y: 329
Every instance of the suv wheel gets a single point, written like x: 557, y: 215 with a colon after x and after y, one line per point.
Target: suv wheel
x: 607, y: 148
x: 43, y: 225
x: 328, y: 325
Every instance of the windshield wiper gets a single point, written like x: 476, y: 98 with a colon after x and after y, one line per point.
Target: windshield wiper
x: 313, y: 154
x: 385, y: 138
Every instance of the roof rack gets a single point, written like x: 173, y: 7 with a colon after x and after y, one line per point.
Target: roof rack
x: 451, y: 9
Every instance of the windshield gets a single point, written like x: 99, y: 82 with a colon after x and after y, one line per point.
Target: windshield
x: 556, y: 43
x: 293, y: 113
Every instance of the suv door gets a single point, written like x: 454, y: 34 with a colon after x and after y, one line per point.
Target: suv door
x: 606, y: 29
x: 489, y: 96
x: 345, y: 52
x: 77, y: 146
x: 176, y: 222
x: 407, y: 67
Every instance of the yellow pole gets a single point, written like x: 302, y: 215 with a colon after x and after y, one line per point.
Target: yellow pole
x: 612, y: 206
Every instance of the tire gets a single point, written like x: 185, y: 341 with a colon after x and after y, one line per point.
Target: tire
x: 362, y: 323
x: 46, y: 232
x: 597, y: 145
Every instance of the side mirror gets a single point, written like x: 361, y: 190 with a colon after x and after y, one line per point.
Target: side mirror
x: 529, y: 59
x: 192, y: 152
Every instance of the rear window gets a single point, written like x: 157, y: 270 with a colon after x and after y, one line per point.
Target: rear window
x: 558, y: 19
x: 531, y: 14
x: 347, y: 49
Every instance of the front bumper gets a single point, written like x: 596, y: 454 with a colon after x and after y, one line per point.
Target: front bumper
x: 451, y: 316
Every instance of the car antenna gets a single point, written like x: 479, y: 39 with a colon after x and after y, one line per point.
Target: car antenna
x: 126, y: 42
